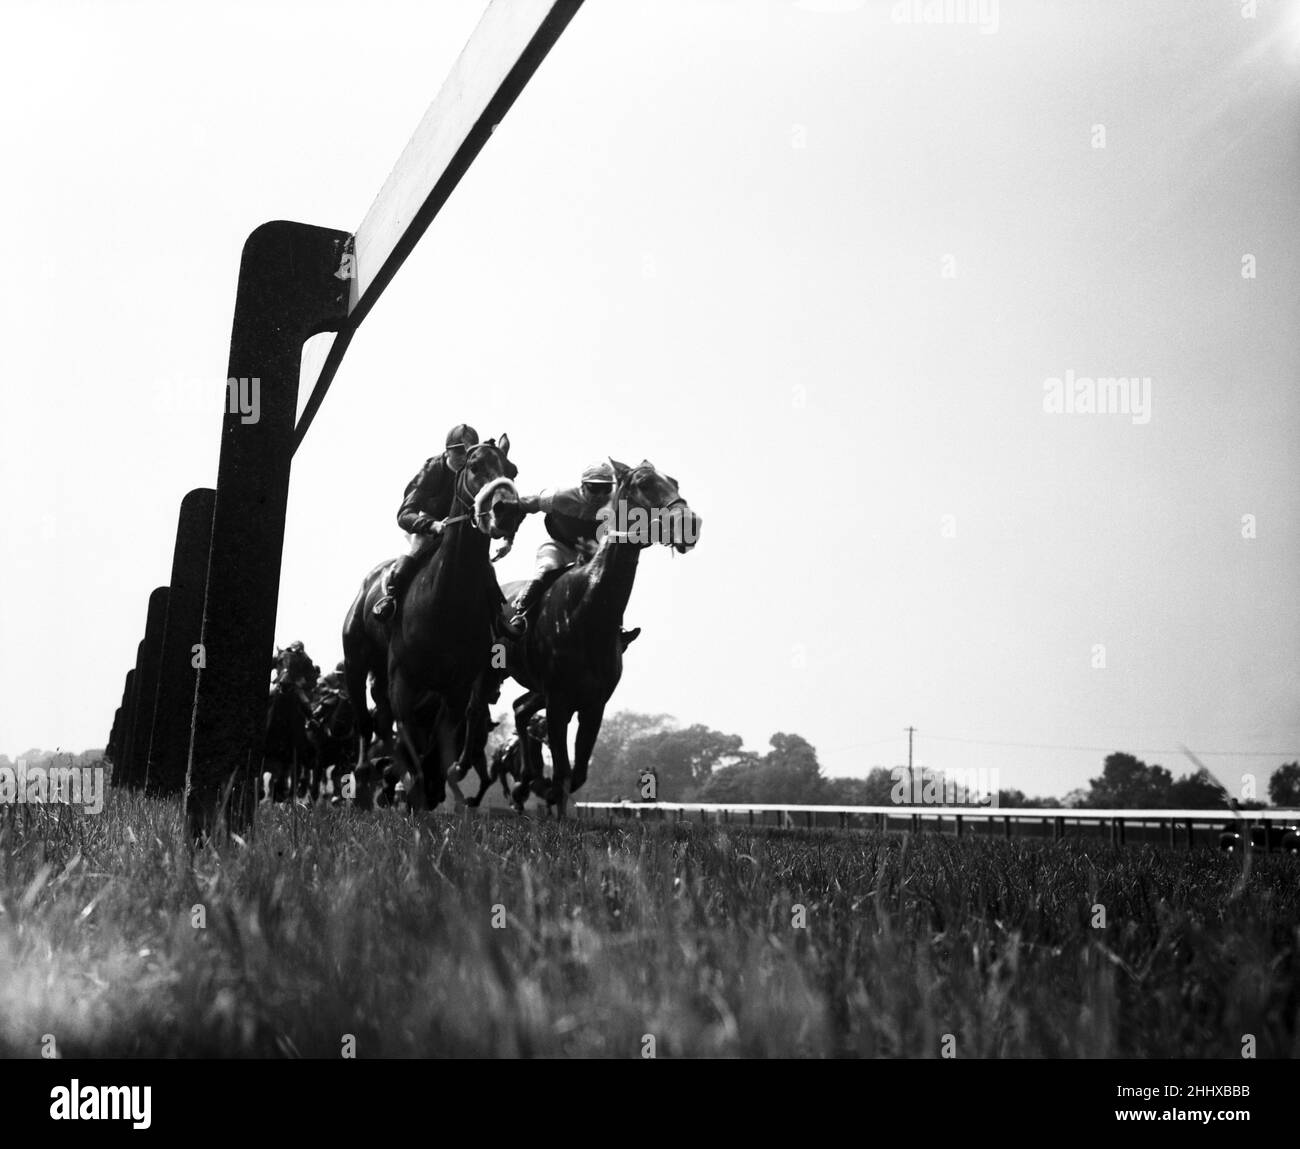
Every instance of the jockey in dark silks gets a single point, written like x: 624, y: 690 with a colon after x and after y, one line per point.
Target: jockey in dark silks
x: 330, y: 690
x: 295, y: 672
x: 573, y: 518
x: 428, y: 501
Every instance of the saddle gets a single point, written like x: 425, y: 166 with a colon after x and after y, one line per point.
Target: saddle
x: 507, y: 611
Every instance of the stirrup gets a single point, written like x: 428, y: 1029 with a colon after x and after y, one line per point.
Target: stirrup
x: 516, y: 625
x: 384, y: 607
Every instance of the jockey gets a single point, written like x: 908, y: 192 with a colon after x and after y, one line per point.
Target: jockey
x: 295, y: 670
x: 330, y: 688
x: 428, y: 501
x: 572, y: 520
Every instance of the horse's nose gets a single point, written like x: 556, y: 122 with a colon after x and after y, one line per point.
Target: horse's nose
x: 686, y: 530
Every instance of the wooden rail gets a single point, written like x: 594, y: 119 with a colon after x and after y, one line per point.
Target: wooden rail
x: 1161, y: 826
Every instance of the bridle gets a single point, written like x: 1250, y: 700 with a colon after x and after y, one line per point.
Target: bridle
x: 463, y: 497
x: 627, y: 481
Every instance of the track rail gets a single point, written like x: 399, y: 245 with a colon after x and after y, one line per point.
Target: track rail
x: 1162, y: 826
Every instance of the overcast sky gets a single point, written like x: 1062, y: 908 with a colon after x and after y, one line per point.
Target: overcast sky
x: 818, y: 260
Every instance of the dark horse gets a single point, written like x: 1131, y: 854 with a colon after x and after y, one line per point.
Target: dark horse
x: 289, y: 758
x: 428, y: 662
x: 365, y: 657
x: 332, y: 731
x: 571, y: 658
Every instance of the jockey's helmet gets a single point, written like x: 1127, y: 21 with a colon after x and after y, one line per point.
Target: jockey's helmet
x: 462, y: 435
x: 600, y: 472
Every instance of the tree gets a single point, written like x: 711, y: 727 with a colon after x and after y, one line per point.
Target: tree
x: 1196, y: 791
x: 1284, y: 786
x: 683, y: 760
x: 790, y: 772
x: 873, y: 790
x: 610, y: 776
x: 737, y: 784
x: 1048, y: 803
x: 1127, y: 783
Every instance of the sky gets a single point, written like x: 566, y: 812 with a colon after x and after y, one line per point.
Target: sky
x: 821, y: 261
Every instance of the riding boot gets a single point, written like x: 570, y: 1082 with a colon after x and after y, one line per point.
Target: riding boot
x: 524, y: 600
x: 396, y: 583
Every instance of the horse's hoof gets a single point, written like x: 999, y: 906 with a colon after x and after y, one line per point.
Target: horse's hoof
x: 472, y: 802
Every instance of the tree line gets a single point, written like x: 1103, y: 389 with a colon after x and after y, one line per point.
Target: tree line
x: 699, y: 764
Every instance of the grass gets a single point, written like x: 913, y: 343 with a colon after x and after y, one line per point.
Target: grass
x: 381, y: 926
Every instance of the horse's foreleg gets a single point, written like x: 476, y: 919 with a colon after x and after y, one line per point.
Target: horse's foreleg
x: 531, y: 769
x: 472, y: 754
x: 407, y: 754
x: 557, y: 738
x: 444, y: 747
x: 479, y: 761
x: 463, y: 737
x: 584, y: 742
x: 501, y: 764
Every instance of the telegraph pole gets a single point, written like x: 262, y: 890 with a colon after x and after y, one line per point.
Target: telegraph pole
x: 910, y: 731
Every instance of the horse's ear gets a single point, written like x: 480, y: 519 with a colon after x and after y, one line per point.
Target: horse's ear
x: 504, y: 443
x: 620, y: 469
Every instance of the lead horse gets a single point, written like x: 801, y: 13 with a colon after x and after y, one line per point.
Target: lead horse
x: 367, y: 639
x: 441, y: 643
x: 571, y: 657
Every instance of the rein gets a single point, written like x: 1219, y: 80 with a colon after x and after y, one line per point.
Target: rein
x: 622, y: 536
x: 463, y: 498
x: 481, y: 520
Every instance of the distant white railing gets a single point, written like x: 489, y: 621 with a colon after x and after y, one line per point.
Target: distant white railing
x: 881, y: 817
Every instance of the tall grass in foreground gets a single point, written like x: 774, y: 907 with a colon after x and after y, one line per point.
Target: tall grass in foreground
x: 382, y: 926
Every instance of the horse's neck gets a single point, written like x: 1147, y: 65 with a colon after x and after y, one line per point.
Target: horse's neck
x: 610, y: 576
x: 461, y: 546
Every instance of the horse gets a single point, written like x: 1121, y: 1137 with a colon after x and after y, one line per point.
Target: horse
x: 332, y: 732
x: 441, y: 640
x: 288, y: 755
x: 505, y: 765
x: 365, y: 655
x: 365, y: 658
x: 509, y: 761
x: 570, y: 658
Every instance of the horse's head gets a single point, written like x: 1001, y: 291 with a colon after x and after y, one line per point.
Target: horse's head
x: 485, y: 489
x: 293, y: 666
x: 647, y: 508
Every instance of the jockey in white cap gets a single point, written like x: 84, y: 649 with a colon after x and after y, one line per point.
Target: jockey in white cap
x: 572, y: 521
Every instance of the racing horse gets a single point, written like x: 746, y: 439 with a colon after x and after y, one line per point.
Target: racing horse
x: 440, y: 647
x: 570, y: 658
x: 365, y: 658
x: 332, y: 731
x: 365, y: 654
x: 288, y: 754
